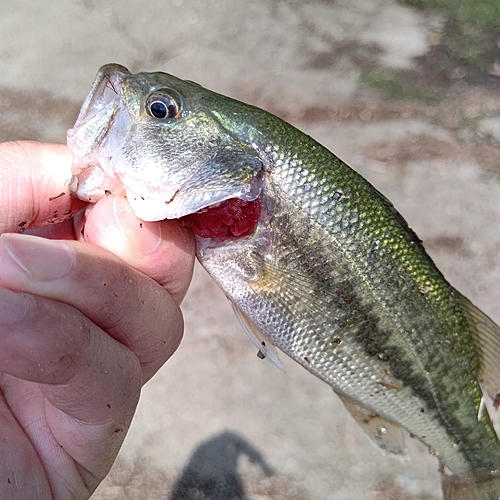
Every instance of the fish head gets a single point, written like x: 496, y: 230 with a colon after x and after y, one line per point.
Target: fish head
x: 156, y: 139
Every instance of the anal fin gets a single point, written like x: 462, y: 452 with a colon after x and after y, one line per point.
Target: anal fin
x: 386, y: 435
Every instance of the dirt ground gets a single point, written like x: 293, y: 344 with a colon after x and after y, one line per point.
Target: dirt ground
x: 217, y: 422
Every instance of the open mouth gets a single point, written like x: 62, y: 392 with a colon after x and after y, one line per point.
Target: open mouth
x: 92, y: 145
x: 99, y: 111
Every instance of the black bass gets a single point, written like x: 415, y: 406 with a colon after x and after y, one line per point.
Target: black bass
x: 314, y: 259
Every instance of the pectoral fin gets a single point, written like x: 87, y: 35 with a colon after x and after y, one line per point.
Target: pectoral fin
x: 301, y: 296
x: 386, y: 435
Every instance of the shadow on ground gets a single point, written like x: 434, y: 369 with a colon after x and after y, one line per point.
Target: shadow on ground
x: 212, y: 471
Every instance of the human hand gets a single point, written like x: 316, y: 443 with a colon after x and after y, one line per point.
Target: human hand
x: 81, y: 330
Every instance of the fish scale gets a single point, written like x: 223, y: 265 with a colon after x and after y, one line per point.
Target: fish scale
x: 370, y: 219
x: 330, y: 273
x: 420, y: 270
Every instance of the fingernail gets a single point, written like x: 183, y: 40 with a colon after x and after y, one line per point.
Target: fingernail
x: 144, y: 237
x: 40, y: 258
x: 14, y: 306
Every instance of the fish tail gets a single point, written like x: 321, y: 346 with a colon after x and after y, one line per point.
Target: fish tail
x: 488, y: 489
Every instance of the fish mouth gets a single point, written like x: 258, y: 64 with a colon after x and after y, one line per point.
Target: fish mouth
x: 98, y: 111
x: 92, y: 145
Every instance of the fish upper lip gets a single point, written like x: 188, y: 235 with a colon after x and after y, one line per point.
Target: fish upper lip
x: 109, y: 77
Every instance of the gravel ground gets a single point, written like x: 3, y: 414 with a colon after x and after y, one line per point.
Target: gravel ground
x: 217, y: 422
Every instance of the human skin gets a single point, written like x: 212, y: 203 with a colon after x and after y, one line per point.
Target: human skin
x: 89, y: 311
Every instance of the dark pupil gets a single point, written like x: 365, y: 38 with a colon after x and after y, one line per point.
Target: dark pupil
x: 161, y: 110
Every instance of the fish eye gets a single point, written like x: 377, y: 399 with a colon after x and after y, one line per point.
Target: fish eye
x: 163, y: 106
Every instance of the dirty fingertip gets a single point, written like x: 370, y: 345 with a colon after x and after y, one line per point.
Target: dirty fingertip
x: 111, y: 224
x: 175, y: 261
x: 163, y: 250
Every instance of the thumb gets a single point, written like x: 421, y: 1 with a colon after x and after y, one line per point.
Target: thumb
x: 34, y: 180
x: 162, y: 250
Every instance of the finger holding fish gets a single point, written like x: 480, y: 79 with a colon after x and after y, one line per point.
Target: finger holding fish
x: 131, y: 307
x: 80, y: 329
x: 162, y: 250
x: 39, y: 175
x: 80, y: 333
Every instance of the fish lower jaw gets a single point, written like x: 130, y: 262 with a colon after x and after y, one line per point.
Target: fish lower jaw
x: 90, y: 182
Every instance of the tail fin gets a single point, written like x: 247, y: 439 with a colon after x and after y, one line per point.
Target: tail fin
x: 489, y: 489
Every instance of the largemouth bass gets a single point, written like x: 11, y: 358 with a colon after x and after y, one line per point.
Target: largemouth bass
x: 314, y: 259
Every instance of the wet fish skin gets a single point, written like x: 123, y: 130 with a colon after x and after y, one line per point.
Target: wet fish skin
x: 337, y: 260
x: 332, y: 275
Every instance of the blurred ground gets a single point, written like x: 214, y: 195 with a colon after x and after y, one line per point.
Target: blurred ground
x: 368, y: 79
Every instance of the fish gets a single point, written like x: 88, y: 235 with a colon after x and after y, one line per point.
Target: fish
x: 316, y: 262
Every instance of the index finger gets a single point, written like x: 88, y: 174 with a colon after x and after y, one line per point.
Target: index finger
x: 34, y: 180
